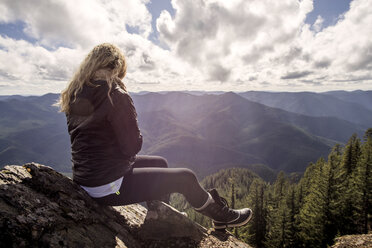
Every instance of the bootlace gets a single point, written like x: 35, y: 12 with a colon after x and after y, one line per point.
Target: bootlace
x: 225, y: 207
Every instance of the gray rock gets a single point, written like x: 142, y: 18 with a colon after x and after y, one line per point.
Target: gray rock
x: 354, y: 241
x: 167, y: 221
x: 40, y: 207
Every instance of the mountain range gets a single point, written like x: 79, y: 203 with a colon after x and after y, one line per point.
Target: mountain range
x: 352, y: 106
x: 204, y: 132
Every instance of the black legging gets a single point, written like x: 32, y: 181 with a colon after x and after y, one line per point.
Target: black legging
x: 151, y: 179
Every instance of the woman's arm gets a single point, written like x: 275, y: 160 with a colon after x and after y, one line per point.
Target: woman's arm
x: 123, y: 118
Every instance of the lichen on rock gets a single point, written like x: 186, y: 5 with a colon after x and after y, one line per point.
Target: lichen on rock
x: 40, y: 207
x: 354, y: 241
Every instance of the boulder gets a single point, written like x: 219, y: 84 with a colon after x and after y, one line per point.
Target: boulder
x: 40, y: 207
x: 354, y: 241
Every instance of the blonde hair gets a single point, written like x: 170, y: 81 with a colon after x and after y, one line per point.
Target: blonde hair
x: 104, y: 56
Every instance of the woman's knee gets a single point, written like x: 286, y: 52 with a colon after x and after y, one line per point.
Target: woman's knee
x: 143, y: 161
x: 161, y: 162
x: 187, y: 175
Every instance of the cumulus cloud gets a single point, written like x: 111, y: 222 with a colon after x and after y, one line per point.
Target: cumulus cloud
x: 230, y: 33
x: 323, y: 63
x: 317, y: 26
x: 296, y: 74
x: 341, y: 51
x: 267, y: 40
x: 218, y: 73
x: 206, y: 44
x: 65, y: 31
x: 76, y: 23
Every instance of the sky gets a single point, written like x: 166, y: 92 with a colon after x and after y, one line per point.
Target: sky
x: 211, y: 45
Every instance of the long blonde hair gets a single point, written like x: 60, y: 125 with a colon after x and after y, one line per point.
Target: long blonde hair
x: 106, y: 57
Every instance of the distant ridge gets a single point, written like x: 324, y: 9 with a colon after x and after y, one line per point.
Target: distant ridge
x: 329, y: 104
x: 203, y: 132
x: 361, y: 97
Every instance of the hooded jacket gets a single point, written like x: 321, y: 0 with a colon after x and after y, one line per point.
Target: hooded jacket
x: 105, y: 137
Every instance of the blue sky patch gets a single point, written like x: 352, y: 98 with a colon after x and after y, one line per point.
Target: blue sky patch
x: 329, y: 10
x: 156, y: 7
x: 15, y: 31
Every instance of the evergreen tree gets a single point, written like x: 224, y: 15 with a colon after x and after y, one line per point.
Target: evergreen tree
x: 332, y: 174
x: 332, y: 198
x: 256, y: 229
x: 277, y: 213
x: 291, y: 232
x: 232, y: 200
x: 311, y: 216
x: 349, y: 198
x: 363, y: 180
x: 305, y: 183
x: 351, y: 155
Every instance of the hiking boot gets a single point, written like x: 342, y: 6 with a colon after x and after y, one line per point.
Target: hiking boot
x: 221, y: 214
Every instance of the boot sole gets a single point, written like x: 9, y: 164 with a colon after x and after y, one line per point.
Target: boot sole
x: 226, y: 225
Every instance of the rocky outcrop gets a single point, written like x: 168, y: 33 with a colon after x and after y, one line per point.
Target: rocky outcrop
x: 40, y: 207
x: 354, y: 241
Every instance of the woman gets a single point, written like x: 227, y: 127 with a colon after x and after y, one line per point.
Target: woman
x: 105, y: 140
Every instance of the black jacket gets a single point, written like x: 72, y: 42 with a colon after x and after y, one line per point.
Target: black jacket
x: 104, y: 137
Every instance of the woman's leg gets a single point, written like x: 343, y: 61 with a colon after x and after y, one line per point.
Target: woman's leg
x: 149, y: 183
x: 152, y: 161
x: 142, y: 161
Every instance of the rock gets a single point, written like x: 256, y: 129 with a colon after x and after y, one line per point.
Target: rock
x: 354, y: 241
x: 167, y: 222
x: 40, y: 207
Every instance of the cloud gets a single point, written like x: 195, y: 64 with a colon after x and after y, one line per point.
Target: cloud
x: 323, y: 63
x: 26, y: 64
x: 317, y: 26
x: 67, y: 30
x: 219, y: 73
x: 311, y: 82
x: 347, y: 45
x: 205, y: 44
x: 296, y: 74
x: 147, y: 64
x: 365, y: 77
x: 7, y: 76
x: 294, y: 52
x: 76, y: 23
x: 230, y: 32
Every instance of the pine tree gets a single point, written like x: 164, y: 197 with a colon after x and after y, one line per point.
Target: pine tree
x: 232, y: 200
x: 277, y: 213
x: 311, y: 216
x: 254, y: 232
x: 291, y: 239
x: 333, y: 180
x: 351, y: 154
x: 363, y: 180
x: 305, y: 183
x: 333, y: 197
x: 349, y: 197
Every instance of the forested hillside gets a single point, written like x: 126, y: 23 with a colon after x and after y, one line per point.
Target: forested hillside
x: 333, y: 198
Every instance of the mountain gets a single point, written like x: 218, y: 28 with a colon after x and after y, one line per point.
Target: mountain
x: 42, y: 208
x: 203, y: 132
x: 33, y: 130
x: 215, y: 131
x: 360, y: 97
x: 335, y: 104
